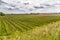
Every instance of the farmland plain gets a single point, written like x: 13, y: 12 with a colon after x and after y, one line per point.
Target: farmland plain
x: 30, y: 27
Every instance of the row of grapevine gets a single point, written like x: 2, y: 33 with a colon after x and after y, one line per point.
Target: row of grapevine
x: 18, y: 24
x: 0, y: 25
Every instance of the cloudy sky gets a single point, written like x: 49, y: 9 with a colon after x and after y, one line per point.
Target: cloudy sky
x: 30, y: 6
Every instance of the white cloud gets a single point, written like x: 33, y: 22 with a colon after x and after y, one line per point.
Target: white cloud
x: 19, y: 4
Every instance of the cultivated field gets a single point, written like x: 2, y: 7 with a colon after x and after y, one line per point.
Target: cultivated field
x: 30, y: 27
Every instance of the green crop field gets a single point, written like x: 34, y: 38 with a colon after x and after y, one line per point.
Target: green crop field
x: 29, y: 27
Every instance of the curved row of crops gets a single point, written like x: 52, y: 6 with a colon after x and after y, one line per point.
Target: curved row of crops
x: 13, y: 23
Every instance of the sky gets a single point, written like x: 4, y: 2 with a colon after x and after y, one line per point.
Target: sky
x: 30, y: 6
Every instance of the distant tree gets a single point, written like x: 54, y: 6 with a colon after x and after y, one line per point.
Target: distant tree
x: 34, y: 13
x: 12, y: 14
x: 31, y: 13
x: 2, y: 14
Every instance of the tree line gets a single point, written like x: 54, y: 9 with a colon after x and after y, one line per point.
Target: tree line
x: 2, y: 14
